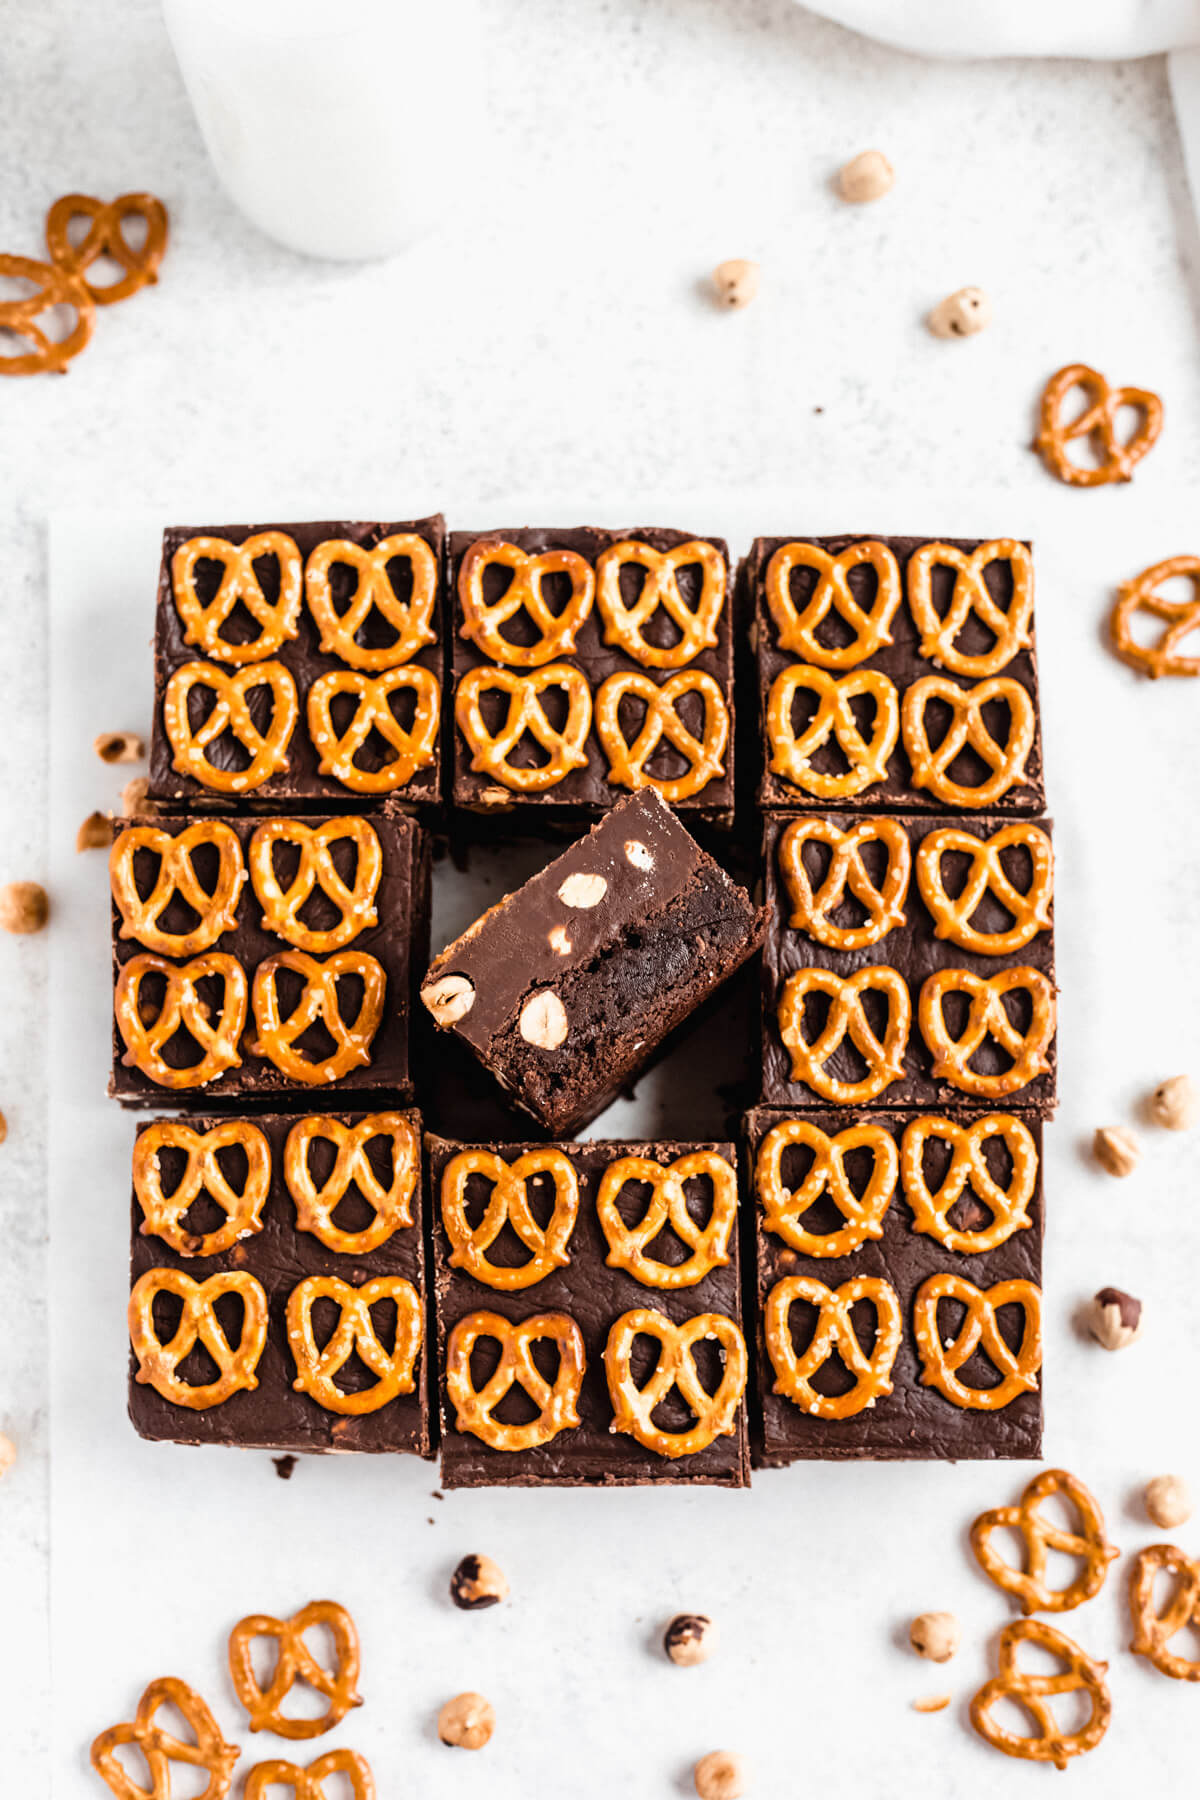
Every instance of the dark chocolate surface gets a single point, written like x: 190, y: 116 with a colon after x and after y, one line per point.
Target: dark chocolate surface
x: 913, y: 1421
x: 300, y: 783
x: 273, y: 1415
x: 595, y: 1296
x: 903, y: 663
x: 588, y: 788
x: 399, y: 941
x: 912, y: 949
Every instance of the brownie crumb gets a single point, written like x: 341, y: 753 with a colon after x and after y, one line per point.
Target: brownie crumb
x: 284, y: 1466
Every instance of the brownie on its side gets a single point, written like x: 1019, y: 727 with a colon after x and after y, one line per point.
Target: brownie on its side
x: 882, y: 1238
x: 565, y: 988
x: 254, y: 1235
x: 571, y: 1280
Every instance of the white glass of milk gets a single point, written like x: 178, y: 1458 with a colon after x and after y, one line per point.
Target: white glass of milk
x: 330, y: 122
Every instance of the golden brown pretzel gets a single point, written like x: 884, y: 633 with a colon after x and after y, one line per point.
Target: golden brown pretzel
x: 627, y: 761
x: 354, y: 1334
x: 633, y: 1407
x: 791, y: 756
x: 52, y: 287
x: 986, y: 1018
x: 1008, y: 1206
x: 309, y: 1784
x: 1010, y: 629
x: 1030, y: 910
x: 784, y: 1208
x: 884, y: 905
x: 315, y: 1206
x: 565, y: 749
x: 556, y: 1401
x: 296, y: 1662
x: 1181, y: 618
x: 239, y: 585
x: 941, y: 1361
x: 157, y: 1362
x: 482, y: 623
x: 106, y: 237
x: 161, y: 1748
x: 930, y: 767
x: 508, y: 1205
x: 846, y: 1018
x: 182, y: 1007
x: 177, y: 875
x: 318, y: 1000
x: 163, y: 1217
x: 230, y: 712
x: 1032, y: 1693
x: 834, y: 1333
x: 1098, y: 422
x: 624, y: 625
x: 667, y: 1205
x: 1153, y: 1630
x: 798, y: 631
x: 281, y: 907
x: 1039, y: 1534
x: 374, y: 593
x: 415, y: 745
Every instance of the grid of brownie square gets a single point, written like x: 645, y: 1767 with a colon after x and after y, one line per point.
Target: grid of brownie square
x: 394, y: 948
x: 696, y: 684
x: 840, y: 661
x: 370, y: 667
x: 280, y: 1257
x: 595, y: 1295
x: 915, y: 1419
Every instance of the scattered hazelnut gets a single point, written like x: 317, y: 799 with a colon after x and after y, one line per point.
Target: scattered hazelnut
x: 449, y: 999
x: 961, y: 314
x: 8, y: 1453
x: 559, y: 940
x: 689, y: 1639
x: 24, y: 907
x: 543, y: 1020
x: 935, y: 1636
x: 868, y: 176
x: 581, y: 890
x: 95, y: 833
x: 478, y: 1582
x: 1116, y: 1150
x: 466, y: 1722
x: 120, y: 747
x: 721, y: 1775
x: 1175, y: 1104
x: 932, y: 1703
x: 637, y: 854
x: 3, y: 1128
x: 1168, y: 1501
x: 134, y: 797
x: 1115, y: 1319
x: 736, y: 282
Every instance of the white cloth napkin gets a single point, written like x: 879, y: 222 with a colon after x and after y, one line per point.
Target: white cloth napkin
x: 1097, y: 28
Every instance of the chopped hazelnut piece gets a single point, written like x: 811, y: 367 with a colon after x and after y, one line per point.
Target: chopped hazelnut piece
x: 721, y: 1775
x: 689, y: 1639
x: 478, y: 1582
x: 559, y: 941
x: 932, y: 1703
x: 8, y: 1453
x: 449, y: 999
x: 1116, y: 1150
x: 935, y: 1636
x: 582, y: 890
x: 1114, y: 1319
x: 961, y: 314
x: 736, y: 282
x: 466, y: 1722
x: 24, y: 907
x: 134, y: 797
x: 543, y: 1021
x: 120, y: 747
x: 868, y: 176
x: 1168, y: 1501
x: 1175, y: 1104
x: 3, y: 1128
x: 637, y: 854
x: 95, y: 833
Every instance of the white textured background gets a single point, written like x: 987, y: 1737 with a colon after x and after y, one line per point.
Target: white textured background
x: 556, y: 338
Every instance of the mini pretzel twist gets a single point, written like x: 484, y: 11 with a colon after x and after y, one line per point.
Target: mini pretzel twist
x: 988, y: 1018
x: 374, y: 593
x: 1153, y: 1630
x: 158, y: 1362
x: 784, y: 1208
x: 318, y: 1000
x: 1181, y: 618
x: 182, y: 1008
x: 633, y: 1407
x: 53, y: 287
x: 556, y: 1401
x: 884, y: 905
x: 1010, y: 628
x: 161, y: 1748
x: 490, y: 752
x: 281, y: 907
x: 667, y: 1205
x: 627, y: 761
x: 834, y: 1333
x: 415, y: 746
x: 624, y: 625
x: 1033, y: 1692
x: 354, y: 1334
x: 1040, y: 1535
x: 482, y: 624
x: 798, y: 631
x: 791, y: 756
x: 163, y: 1217
x: 940, y: 1362
x: 508, y: 1204
x: 967, y: 726
x: 1098, y: 422
x: 309, y: 1784
x: 230, y: 712
x: 1030, y: 911
x: 106, y: 238
x: 968, y: 1168
x: 296, y: 1662
x: 315, y: 1206
x: 217, y: 911
x: 239, y: 584
x: 846, y: 1018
